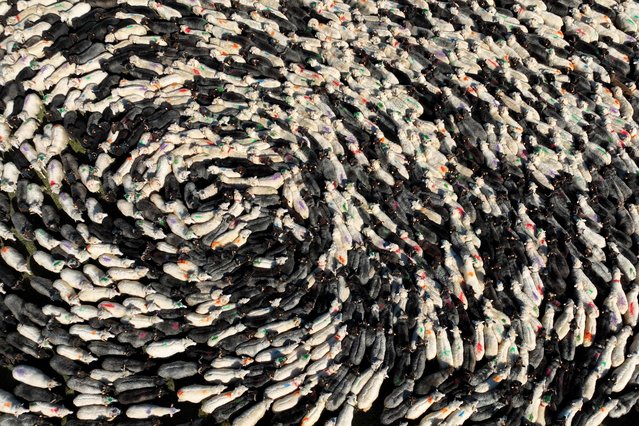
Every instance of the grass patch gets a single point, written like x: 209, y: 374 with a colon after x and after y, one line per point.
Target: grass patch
x: 76, y: 147
x: 31, y: 248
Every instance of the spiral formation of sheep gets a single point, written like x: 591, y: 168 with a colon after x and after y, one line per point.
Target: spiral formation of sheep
x: 294, y: 211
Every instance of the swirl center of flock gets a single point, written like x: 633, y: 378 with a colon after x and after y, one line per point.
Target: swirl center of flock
x: 303, y: 212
